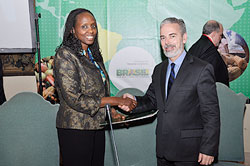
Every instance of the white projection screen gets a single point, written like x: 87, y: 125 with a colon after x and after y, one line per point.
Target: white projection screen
x: 17, y: 26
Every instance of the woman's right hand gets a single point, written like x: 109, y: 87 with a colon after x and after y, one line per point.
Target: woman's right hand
x: 127, y: 104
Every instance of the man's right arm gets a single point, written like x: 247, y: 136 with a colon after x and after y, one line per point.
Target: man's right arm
x: 144, y: 103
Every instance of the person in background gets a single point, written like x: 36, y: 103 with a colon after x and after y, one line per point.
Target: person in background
x: 206, y: 49
x: 82, y: 84
x: 2, y: 94
x: 183, y: 90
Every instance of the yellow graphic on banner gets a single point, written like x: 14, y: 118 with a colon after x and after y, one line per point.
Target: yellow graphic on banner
x: 108, y: 43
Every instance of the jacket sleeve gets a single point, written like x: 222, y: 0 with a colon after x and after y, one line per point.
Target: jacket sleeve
x: 68, y: 82
x: 210, y: 113
x: 148, y: 101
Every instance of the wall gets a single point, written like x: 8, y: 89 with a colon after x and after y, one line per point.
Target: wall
x: 17, y: 84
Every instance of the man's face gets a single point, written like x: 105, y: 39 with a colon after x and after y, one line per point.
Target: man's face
x: 172, y: 41
x: 218, y: 36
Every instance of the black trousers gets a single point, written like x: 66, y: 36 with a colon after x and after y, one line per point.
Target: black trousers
x: 82, y: 147
x: 165, y: 162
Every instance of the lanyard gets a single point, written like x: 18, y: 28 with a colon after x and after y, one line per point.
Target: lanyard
x: 94, y: 62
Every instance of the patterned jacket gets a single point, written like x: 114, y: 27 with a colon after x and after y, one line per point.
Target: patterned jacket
x: 80, y: 88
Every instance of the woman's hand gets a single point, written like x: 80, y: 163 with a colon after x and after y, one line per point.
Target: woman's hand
x: 127, y: 104
x: 116, y: 116
x: 123, y: 102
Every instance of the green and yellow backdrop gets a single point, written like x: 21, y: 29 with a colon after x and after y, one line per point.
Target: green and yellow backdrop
x: 129, y: 33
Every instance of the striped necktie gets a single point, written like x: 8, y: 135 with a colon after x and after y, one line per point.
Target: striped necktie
x: 171, y: 77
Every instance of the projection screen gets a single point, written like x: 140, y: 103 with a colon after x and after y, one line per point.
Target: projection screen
x: 17, y: 26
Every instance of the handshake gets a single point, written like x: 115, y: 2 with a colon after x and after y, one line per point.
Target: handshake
x: 128, y: 102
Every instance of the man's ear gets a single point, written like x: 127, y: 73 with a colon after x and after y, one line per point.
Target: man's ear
x: 184, y: 38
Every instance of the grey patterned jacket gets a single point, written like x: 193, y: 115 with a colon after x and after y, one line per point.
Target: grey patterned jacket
x: 80, y: 88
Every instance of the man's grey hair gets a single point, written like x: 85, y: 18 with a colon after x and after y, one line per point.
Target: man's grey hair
x: 173, y: 20
x: 210, y: 27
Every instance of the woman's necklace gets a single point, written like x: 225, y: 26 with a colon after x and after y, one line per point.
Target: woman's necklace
x: 83, y: 52
x: 89, y: 56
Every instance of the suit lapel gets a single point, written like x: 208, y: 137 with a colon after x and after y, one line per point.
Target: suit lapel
x: 163, y: 79
x: 182, y: 74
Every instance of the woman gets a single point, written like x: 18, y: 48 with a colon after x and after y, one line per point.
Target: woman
x: 82, y: 84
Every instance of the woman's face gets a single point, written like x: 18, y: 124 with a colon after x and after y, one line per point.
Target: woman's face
x: 85, y: 29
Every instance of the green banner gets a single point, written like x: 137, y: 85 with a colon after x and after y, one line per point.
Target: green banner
x: 129, y: 34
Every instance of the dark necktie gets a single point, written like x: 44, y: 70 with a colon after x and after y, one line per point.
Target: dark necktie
x: 171, y: 77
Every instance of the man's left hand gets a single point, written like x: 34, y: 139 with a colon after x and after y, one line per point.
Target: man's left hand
x: 205, y: 159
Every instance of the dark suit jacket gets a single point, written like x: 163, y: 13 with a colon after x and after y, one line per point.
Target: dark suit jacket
x: 188, y: 122
x: 2, y: 94
x: 205, y: 50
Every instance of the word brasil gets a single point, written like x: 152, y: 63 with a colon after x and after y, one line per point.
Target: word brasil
x: 132, y: 72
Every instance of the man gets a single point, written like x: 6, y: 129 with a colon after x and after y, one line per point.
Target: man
x: 206, y: 49
x: 188, y: 122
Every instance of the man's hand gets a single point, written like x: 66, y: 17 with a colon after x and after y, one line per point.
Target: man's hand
x: 124, y: 107
x: 205, y: 159
x: 128, y: 95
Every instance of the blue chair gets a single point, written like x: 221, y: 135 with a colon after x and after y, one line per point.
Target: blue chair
x: 232, y: 107
x: 28, y: 135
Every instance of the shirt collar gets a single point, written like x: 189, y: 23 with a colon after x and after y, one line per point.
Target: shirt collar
x: 179, y: 60
x: 209, y: 39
